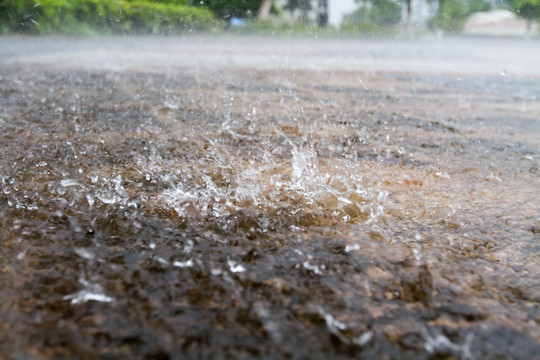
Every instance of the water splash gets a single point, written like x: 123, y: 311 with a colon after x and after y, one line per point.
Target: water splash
x: 440, y: 345
x: 91, y: 292
x: 300, y: 188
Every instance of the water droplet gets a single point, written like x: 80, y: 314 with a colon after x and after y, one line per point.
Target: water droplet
x: 85, y: 253
x: 183, y: 264
x: 307, y: 265
x: 69, y: 182
x: 364, y: 338
x: 90, y: 199
x: 92, y: 292
x: 235, y: 268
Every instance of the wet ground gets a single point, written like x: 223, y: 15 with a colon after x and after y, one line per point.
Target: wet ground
x: 269, y: 198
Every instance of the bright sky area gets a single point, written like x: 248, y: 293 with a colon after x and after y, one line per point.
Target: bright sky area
x: 337, y: 8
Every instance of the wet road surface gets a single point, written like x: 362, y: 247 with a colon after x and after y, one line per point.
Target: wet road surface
x: 220, y: 197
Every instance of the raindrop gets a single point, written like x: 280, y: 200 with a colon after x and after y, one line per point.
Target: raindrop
x: 85, y: 253
x: 183, y: 264
x: 235, y: 268
x: 364, y: 338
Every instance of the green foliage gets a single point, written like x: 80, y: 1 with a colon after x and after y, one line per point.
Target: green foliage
x: 303, y: 5
x: 528, y: 9
x: 108, y: 16
x: 76, y: 17
x: 18, y: 15
x: 144, y: 17
x: 173, y: 2
x: 386, y: 12
x: 366, y: 28
x: 380, y: 13
x: 226, y: 9
x: 452, y: 14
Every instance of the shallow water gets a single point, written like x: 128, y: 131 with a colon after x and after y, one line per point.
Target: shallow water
x: 266, y: 214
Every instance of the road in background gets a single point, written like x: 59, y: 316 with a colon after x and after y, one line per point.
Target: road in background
x: 448, y: 56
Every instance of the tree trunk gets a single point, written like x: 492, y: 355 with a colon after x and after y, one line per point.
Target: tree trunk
x: 264, y: 10
x: 322, y: 17
x: 408, y: 24
x: 439, y: 16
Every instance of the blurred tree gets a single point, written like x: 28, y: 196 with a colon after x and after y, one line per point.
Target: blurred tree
x: 264, y: 10
x: 449, y: 12
x: 377, y: 13
x: 385, y: 12
x: 322, y: 16
x: 303, y: 5
x: 451, y: 15
x: 408, y: 20
x: 102, y: 16
x: 174, y: 2
x: 527, y: 9
x: 227, y: 9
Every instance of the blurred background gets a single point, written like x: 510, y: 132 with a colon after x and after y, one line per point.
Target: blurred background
x: 366, y: 18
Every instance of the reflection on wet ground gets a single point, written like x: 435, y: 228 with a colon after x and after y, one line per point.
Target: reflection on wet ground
x: 264, y: 214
